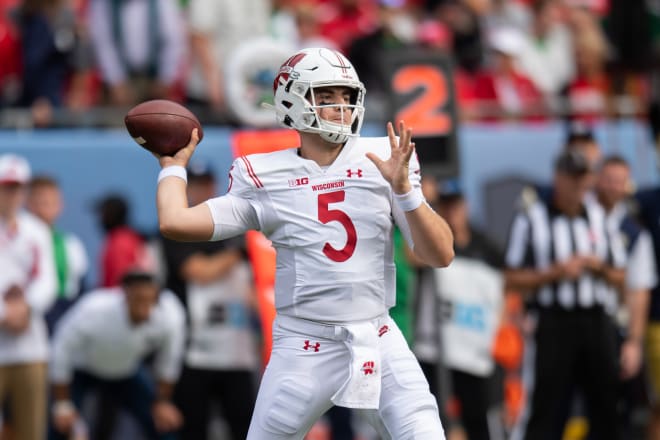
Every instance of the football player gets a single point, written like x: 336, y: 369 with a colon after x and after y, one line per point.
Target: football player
x: 329, y: 207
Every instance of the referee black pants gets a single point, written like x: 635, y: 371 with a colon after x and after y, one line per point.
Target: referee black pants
x: 570, y: 350
x: 197, y: 389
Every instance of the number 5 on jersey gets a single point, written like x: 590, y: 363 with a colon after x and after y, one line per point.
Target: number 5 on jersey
x: 327, y: 215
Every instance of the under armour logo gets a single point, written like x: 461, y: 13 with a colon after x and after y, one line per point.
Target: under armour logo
x: 384, y: 329
x: 368, y: 367
x: 314, y: 346
x: 349, y: 173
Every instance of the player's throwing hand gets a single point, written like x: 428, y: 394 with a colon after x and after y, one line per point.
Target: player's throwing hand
x: 182, y: 157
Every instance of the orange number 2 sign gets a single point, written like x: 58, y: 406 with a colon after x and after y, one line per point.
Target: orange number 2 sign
x: 426, y: 113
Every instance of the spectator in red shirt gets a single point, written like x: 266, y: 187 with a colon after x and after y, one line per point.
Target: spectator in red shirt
x: 588, y: 94
x: 10, y: 67
x: 123, y: 246
x: 502, y: 90
x: 343, y: 21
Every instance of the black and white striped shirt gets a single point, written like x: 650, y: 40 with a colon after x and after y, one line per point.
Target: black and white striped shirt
x: 542, y: 236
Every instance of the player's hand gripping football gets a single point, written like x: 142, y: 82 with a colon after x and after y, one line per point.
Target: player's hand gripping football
x: 182, y: 157
x: 395, y: 169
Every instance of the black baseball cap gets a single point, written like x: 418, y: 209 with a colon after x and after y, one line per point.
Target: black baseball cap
x: 572, y: 163
x: 144, y: 270
x: 450, y: 190
x: 579, y: 131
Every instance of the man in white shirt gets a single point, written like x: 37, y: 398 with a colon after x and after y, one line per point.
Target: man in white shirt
x: 547, y: 55
x: 612, y: 190
x: 329, y: 208
x: 69, y: 254
x: 100, y: 344
x: 27, y: 289
x: 217, y: 28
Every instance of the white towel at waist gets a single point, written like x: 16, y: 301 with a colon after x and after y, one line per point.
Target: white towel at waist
x: 362, y: 388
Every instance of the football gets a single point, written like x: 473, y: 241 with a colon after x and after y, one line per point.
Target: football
x: 161, y: 126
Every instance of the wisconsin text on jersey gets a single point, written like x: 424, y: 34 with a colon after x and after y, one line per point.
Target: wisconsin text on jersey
x: 301, y: 181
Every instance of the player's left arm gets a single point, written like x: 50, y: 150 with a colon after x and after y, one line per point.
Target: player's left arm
x: 433, y: 241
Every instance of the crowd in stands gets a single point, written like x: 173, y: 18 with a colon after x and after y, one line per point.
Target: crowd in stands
x: 512, y: 58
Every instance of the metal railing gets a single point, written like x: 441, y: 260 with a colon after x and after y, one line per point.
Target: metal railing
x: 624, y: 106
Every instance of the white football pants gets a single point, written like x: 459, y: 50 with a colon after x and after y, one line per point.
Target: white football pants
x: 310, y: 362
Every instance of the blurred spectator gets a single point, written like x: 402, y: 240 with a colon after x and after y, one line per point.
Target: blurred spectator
x: 10, y: 54
x: 139, y: 47
x: 100, y: 345
x: 508, y: 14
x: 628, y: 29
x: 547, y: 57
x: 71, y: 262
x: 653, y: 7
x: 596, y: 7
x: 435, y: 35
x: 217, y: 28
x: 613, y: 188
x: 343, y: 21
x: 282, y: 19
x: 580, y: 137
x: 221, y: 359
x: 308, y: 28
x: 471, y: 303
x: 396, y: 30
x: 464, y: 24
x: 588, y: 94
x: 503, y: 91
x: 27, y: 289
x: 648, y: 207
x: 123, y: 247
x: 55, y: 56
x: 298, y: 23
x: 560, y: 256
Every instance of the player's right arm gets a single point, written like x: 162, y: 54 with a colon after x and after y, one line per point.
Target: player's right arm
x: 215, y: 219
x: 176, y: 220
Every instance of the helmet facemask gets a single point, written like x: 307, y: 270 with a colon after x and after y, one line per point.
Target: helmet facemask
x: 334, y: 132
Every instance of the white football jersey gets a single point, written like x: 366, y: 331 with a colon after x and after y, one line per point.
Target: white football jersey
x: 331, y: 226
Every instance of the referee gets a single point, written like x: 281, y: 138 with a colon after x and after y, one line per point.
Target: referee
x: 558, y: 254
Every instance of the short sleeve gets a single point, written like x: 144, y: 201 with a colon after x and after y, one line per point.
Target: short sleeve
x: 518, y: 243
x: 641, y: 273
x: 238, y: 211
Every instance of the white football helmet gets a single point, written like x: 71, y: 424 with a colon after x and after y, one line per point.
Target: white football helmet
x: 294, y: 93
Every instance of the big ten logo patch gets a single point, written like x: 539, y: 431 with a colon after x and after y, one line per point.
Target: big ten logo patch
x: 300, y: 181
x: 471, y: 316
